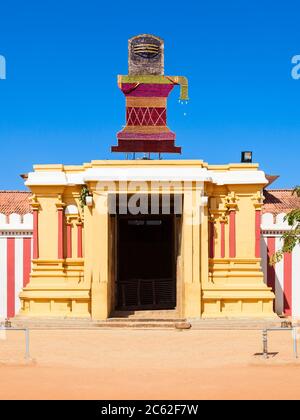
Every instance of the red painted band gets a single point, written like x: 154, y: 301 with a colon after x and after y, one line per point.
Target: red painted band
x: 140, y: 116
x: 69, y: 241
x: 157, y: 90
x: 79, y: 241
x: 232, y: 235
x: 257, y: 233
x: 158, y: 137
x: 35, y: 234
x: 26, y: 260
x: 10, y: 277
x: 271, y: 269
x: 222, y: 240
x: 146, y: 146
x: 60, y: 234
x: 211, y: 240
x: 287, y: 301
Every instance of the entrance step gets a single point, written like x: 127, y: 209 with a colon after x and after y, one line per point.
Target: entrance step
x: 139, y: 324
x: 134, y: 322
x: 88, y: 324
x: 52, y: 323
x: 239, y: 324
x: 165, y: 314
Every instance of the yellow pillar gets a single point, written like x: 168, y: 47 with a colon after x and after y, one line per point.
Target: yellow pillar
x: 191, y: 251
x: 100, y: 293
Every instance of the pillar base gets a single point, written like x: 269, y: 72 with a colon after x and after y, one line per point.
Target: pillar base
x: 236, y: 289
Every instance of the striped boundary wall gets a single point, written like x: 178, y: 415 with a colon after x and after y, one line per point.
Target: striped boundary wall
x: 15, y: 260
x: 284, y: 277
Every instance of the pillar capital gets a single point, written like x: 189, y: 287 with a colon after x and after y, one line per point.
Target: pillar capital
x: 73, y: 219
x: 258, y: 200
x: 231, y: 202
x: 35, y: 205
x: 223, y: 218
x: 212, y: 217
x: 60, y: 205
x: 218, y: 216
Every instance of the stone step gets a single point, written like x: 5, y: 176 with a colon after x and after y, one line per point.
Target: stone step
x: 144, y: 323
x: 165, y: 314
x: 140, y: 320
x: 119, y: 323
x: 138, y: 325
x: 238, y: 324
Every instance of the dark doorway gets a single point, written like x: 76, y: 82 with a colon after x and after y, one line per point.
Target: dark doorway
x: 146, y: 276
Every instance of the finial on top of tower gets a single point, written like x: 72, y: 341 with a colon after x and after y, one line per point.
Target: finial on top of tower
x: 145, y: 55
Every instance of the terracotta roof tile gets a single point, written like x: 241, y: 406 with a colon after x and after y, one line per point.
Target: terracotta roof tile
x: 280, y: 201
x: 15, y: 202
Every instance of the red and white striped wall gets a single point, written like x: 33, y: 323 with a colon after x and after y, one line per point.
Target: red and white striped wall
x: 284, y: 277
x: 15, y: 260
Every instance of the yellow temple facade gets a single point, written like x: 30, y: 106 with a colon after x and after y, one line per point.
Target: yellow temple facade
x: 123, y: 236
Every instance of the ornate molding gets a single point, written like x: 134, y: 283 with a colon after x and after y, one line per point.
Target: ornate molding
x: 258, y: 200
x: 35, y: 205
x: 79, y: 221
x: 218, y: 216
x: 231, y: 202
x: 60, y: 205
x: 223, y: 218
x: 74, y: 219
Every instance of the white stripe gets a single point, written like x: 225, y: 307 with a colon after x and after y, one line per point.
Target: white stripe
x: 3, y: 278
x: 18, y: 272
x: 296, y: 282
x: 279, y: 280
x: 264, y: 257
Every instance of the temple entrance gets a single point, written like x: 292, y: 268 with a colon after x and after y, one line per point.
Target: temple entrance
x: 146, y: 267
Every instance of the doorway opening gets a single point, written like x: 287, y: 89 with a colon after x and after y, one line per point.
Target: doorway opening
x: 146, y: 263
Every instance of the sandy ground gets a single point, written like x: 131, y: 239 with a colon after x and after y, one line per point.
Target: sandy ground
x: 148, y: 364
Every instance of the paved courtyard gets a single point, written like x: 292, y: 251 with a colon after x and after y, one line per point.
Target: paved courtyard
x: 147, y: 364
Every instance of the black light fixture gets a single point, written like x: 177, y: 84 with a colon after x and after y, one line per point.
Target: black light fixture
x: 246, y: 157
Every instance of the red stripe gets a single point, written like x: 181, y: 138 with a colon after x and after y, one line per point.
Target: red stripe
x: 232, y: 244
x: 147, y: 89
x: 69, y: 241
x: 156, y: 138
x: 60, y: 234
x: 146, y: 116
x: 10, y: 277
x: 222, y: 240
x: 145, y: 146
x: 271, y: 269
x: 287, y: 305
x: 35, y: 234
x: 79, y: 233
x: 211, y: 240
x: 257, y: 233
x: 26, y: 260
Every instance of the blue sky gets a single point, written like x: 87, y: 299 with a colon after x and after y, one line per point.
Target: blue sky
x: 61, y: 104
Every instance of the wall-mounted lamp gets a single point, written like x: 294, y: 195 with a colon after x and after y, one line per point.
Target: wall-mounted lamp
x: 246, y: 157
x: 89, y: 200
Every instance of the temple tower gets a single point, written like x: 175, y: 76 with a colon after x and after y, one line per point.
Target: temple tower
x: 146, y: 89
